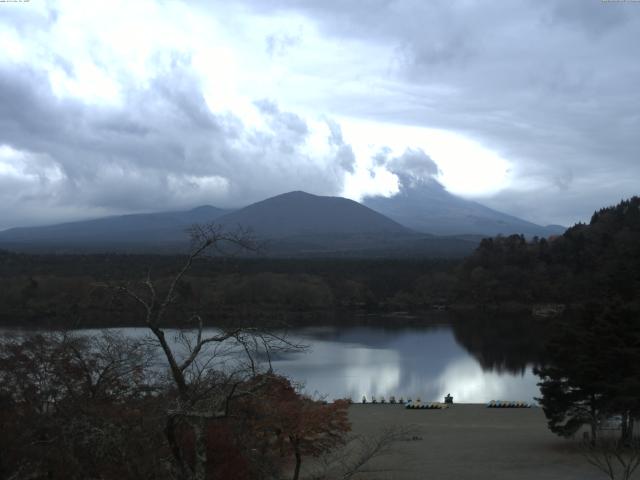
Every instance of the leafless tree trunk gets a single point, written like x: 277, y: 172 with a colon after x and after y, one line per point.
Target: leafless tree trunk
x: 613, y: 457
x: 202, y: 397
x: 298, y: 457
x: 358, y: 454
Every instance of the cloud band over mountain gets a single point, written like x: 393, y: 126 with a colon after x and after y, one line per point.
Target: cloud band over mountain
x: 114, y: 107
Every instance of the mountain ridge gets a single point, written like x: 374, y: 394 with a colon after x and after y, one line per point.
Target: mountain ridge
x: 427, y: 207
x: 292, y: 224
x: 300, y: 213
x: 139, y: 226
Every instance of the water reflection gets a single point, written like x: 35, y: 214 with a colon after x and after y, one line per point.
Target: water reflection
x: 475, y: 360
x: 472, y: 384
x: 409, y: 362
x: 509, y: 344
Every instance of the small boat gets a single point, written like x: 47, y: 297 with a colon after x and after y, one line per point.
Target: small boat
x: 507, y: 404
x: 426, y: 406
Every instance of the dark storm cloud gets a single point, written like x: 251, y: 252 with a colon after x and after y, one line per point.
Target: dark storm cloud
x: 550, y: 85
x: 162, y: 149
x: 413, y: 166
x: 381, y: 157
x: 286, y: 123
x: 591, y: 17
x: 344, y: 153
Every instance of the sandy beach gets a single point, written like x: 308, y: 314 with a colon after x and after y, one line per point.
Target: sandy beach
x: 471, y: 441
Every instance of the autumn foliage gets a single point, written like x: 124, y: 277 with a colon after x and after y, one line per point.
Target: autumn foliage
x: 75, y: 408
x: 290, y: 424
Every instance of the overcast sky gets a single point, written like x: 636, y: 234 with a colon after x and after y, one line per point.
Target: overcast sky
x: 531, y: 107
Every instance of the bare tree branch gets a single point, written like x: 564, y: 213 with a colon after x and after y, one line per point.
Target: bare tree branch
x: 360, y: 452
x: 613, y: 457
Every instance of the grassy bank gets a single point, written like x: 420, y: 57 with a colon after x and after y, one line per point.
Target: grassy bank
x: 472, y: 442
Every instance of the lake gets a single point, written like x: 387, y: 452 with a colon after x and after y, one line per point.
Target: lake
x: 408, y: 362
x: 473, y: 362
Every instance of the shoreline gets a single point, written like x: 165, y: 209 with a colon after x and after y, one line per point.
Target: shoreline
x: 270, y: 317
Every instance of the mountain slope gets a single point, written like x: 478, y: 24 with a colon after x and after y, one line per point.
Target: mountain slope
x: 428, y: 207
x: 298, y: 224
x: 147, y: 229
x: 294, y: 224
x: 301, y: 214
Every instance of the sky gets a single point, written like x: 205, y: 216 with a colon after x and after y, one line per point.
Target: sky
x: 531, y: 107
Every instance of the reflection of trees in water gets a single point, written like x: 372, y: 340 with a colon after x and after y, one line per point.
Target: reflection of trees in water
x: 501, y: 343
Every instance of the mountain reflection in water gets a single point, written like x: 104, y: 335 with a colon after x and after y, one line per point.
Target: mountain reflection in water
x: 414, y: 362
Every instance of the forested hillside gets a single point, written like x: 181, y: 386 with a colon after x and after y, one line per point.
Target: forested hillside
x: 600, y: 260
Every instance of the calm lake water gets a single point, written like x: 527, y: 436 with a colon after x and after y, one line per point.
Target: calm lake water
x: 426, y: 362
x: 409, y: 362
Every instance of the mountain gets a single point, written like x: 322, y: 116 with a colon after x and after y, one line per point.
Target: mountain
x: 427, y: 207
x: 137, y: 232
x: 294, y: 224
x: 300, y: 224
x: 302, y: 214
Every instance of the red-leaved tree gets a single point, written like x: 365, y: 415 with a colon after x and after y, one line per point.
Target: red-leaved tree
x: 290, y: 424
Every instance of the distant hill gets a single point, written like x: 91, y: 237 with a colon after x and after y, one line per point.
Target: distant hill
x: 427, y: 207
x: 300, y: 224
x: 300, y: 214
x: 292, y: 224
x: 137, y: 232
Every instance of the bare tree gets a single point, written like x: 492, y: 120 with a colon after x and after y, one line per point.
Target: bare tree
x: 613, y: 457
x: 208, y: 369
x: 356, y: 459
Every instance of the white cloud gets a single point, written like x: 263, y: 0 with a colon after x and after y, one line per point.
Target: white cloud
x: 521, y: 101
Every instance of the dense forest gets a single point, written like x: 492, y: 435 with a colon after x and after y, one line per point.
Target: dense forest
x: 66, y: 289
x: 600, y: 260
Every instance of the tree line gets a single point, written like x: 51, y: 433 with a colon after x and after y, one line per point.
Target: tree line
x: 599, y: 260
x: 42, y: 290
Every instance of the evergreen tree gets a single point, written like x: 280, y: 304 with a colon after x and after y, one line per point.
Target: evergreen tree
x: 592, y: 370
